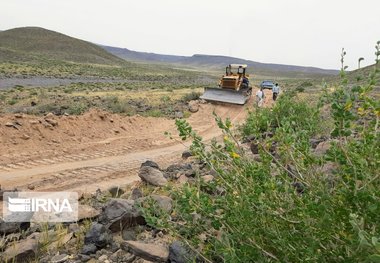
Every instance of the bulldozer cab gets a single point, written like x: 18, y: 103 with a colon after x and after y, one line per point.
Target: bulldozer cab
x: 233, y: 87
x: 235, y: 69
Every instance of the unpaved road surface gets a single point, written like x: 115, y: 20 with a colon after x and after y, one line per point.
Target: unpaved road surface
x: 95, y: 150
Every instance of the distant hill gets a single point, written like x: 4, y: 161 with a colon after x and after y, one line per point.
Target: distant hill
x: 34, y: 43
x: 211, y: 61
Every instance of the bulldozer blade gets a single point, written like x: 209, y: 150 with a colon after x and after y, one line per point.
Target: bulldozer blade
x: 225, y: 95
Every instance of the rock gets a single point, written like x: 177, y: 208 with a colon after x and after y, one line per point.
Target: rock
x: 314, y: 142
x: 74, y: 228
x: 18, y: 116
x: 59, y: 258
x: 119, y: 213
x: 178, y: 115
x: 173, y: 170
x: 116, y: 191
x: 152, y: 176
x: 122, y: 256
x: 207, y: 178
x: 257, y: 157
x: 186, y: 154
x: 12, y: 227
x: 52, y: 122
x: 98, y: 236
x: 322, y: 148
x: 89, y: 249
x: 31, y: 187
x: 103, y: 258
x: 193, y: 106
x: 329, y: 168
x: 49, y: 115
x: 300, y: 188
x: 13, y: 237
x: 61, y: 241
x: 164, y: 202
x: 33, y: 122
x: 9, y: 124
x: 183, y: 179
x: 136, y: 194
x: 249, y: 138
x: 254, y: 147
x: 155, y: 253
x: 128, y: 234
x: 150, y: 164
x: 84, y: 257
x: 87, y: 212
x: 179, y: 254
x: 23, y: 251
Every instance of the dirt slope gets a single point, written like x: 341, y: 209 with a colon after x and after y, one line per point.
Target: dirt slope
x: 95, y: 150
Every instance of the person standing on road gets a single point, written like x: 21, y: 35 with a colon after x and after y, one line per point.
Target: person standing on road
x: 276, y: 91
x: 260, y: 97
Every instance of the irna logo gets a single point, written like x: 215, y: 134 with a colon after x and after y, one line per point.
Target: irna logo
x: 40, y: 206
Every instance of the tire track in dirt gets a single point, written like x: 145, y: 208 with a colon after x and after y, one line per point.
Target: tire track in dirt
x: 86, y: 172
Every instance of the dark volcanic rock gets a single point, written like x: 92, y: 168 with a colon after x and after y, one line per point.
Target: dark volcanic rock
x: 120, y: 213
x: 150, y: 164
x: 152, y: 176
x: 179, y: 254
x: 96, y: 238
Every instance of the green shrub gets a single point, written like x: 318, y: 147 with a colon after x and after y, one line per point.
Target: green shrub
x: 12, y: 101
x: 283, y: 208
x: 153, y: 113
x: 191, y: 96
x: 287, y: 112
x: 77, y: 108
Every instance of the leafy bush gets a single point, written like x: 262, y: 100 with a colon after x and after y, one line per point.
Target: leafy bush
x: 283, y: 208
x: 191, y: 96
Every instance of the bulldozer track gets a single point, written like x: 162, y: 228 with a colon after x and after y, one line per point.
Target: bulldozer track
x: 102, y: 167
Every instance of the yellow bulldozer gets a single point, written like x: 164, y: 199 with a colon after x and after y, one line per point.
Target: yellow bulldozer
x: 233, y: 87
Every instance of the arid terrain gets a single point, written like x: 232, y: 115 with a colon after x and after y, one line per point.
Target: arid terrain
x: 94, y: 150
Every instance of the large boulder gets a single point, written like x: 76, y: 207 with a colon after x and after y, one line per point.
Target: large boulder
x: 152, y: 252
x: 152, y: 176
x: 120, y: 213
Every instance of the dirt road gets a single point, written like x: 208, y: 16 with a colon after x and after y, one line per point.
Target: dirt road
x: 96, y: 150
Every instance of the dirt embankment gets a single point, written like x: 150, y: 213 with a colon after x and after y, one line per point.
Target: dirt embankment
x: 94, y: 150
x: 91, y: 151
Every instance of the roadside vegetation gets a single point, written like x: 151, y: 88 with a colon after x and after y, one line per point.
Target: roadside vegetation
x: 309, y: 193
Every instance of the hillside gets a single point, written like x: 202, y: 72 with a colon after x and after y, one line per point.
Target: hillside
x: 34, y: 43
x: 211, y: 61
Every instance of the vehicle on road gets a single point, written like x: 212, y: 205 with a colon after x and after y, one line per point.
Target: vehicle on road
x: 233, y: 87
x: 267, y: 84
